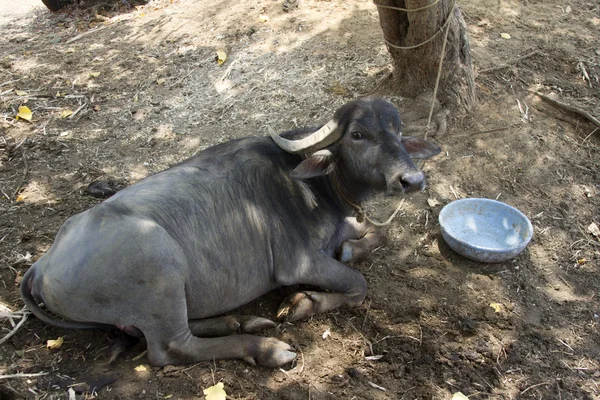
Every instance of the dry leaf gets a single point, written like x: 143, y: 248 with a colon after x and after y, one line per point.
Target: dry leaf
x: 263, y: 18
x: 221, y: 57
x: 66, y: 113
x: 496, y: 306
x: 21, y: 198
x: 160, y: 81
x: 581, y: 261
x: 25, y: 113
x: 215, y: 392
x: 141, y: 368
x: 20, y: 93
x: 459, y: 396
x: 54, y: 344
x: 594, y: 230
x: 504, y: 36
x: 433, y: 202
x: 70, y: 50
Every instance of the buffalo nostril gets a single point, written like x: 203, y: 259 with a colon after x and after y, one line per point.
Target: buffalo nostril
x: 412, y: 181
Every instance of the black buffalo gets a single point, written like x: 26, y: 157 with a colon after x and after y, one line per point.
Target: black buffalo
x: 166, y: 256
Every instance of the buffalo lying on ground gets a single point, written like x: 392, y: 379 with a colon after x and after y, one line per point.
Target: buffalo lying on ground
x: 166, y: 256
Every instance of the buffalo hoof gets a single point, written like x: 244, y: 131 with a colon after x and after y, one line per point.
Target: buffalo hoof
x: 270, y: 352
x: 296, y: 307
x: 250, y: 324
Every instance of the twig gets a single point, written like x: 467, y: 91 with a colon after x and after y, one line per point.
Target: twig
x: 384, y: 338
x: 76, y: 111
x: 586, y: 77
x: 376, y: 386
x: 570, y: 348
x: 453, y: 192
x: 509, y: 63
x: 502, y: 128
x: 188, y: 368
x: 142, y: 354
x: 181, y: 80
x: 362, y: 328
x: 74, y: 38
x: 9, y: 82
x: 226, y: 74
x: 568, y: 107
x: 22, y: 375
x: 24, y: 175
x: 588, y: 136
x: 534, y: 386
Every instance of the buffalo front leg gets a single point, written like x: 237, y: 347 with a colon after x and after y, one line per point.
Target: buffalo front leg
x: 364, y: 237
x: 347, y: 288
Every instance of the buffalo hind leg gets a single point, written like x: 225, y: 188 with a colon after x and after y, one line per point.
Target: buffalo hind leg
x: 229, y: 324
x: 364, y: 238
x: 347, y: 286
x: 188, y: 348
x: 163, y: 320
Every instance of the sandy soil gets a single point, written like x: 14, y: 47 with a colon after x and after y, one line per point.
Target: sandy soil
x: 120, y: 91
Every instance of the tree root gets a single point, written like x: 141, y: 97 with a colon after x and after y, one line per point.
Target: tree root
x: 568, y: 107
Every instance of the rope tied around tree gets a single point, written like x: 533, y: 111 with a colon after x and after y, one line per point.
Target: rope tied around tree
x: 445, y: 27
x: 407, y: 9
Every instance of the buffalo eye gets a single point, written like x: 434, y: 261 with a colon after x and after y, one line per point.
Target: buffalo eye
x: 357, y: 135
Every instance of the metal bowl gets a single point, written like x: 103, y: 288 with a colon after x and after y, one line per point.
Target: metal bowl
x: 485, y: 230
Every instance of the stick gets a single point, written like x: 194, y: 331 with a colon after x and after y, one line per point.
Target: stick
x: 534, y: 386
x: 76, y: 111
x: 22, y: 375
x: 9, y: 82
x: 16, y: 328
x: 74, y: 38
x: 568, y: 107
x: 509, y: 63
x: 362, y: 328
x: 24, y: 175
x: 226, y: 74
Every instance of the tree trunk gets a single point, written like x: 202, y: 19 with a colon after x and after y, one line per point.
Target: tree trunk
x: 415, y: 70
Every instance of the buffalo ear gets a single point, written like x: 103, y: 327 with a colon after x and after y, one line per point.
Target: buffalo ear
x: 318, y: 164
x: 420, y: 148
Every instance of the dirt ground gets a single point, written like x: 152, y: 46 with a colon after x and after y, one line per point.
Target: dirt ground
x: 119, y: 92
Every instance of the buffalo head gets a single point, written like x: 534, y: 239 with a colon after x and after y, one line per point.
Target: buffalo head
x: 363, y: 149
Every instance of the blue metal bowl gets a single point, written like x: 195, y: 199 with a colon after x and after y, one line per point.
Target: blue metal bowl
x: 485, y: 230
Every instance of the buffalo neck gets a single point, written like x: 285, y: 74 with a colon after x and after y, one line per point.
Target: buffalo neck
x: 350, y: 192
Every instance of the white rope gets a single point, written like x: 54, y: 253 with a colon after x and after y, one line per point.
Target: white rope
x: 439, y: 74
x: 444, y: 26
x: 407, y: 9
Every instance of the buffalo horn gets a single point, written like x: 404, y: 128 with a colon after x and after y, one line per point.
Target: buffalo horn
x: 320, y: 139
